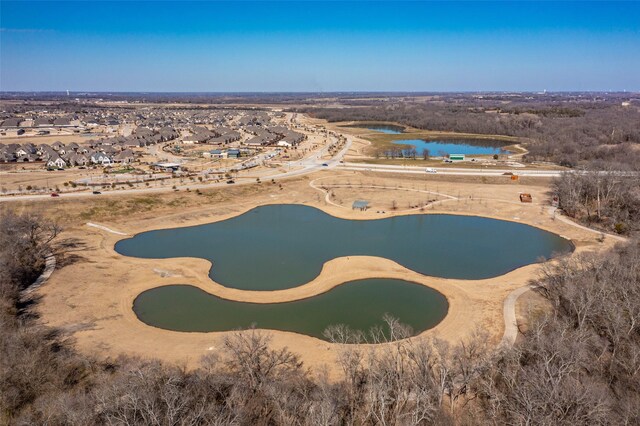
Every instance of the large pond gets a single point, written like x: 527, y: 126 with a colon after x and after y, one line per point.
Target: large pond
x: 360, y: 305
x: 282, y: 246
x: 441, y: 148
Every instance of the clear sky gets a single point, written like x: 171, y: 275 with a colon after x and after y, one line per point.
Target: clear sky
x: 319, y: 46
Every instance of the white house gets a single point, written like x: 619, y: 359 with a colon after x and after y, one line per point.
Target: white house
x: 56, y: 162
x: 101, y: 158
x: 20, y: 152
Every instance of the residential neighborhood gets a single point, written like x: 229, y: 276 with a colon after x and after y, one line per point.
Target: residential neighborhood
x: 109, y: 138
x: 90, y: 144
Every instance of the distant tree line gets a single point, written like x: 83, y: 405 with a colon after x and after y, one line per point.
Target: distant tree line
x: 577, y: 364
x: 397, y: 152
x: 571, y: 134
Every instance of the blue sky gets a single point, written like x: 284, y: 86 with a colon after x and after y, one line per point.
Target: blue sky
x: 319, y: 46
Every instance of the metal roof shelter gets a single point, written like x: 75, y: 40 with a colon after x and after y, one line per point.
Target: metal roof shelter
x: 360, y: 205
x: 167, y: 166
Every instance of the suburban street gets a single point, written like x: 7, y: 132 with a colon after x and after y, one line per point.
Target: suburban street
x: 387, y: 168
x: 310, y: 164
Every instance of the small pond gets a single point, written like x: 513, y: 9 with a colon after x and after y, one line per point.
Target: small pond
x: 389, y: 129
x: 441, y: 148
x: 281, y: 246
x: 360, y: 305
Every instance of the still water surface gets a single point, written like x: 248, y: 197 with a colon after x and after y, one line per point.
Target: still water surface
x: 281, y: 246
x: 441, y: 148
x: 389, y: 129
x: 360, y: 305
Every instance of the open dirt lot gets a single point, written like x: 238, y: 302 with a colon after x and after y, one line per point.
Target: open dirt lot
x: 49, y: 139
x: 38, y: 177
x: 91, y: 293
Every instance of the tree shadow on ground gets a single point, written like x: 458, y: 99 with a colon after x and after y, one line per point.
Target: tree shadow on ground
x: 66, y: 252
x: 25, y: 307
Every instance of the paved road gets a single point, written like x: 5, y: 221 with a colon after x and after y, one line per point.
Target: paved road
x: 314, y: 163
x: 388, y: 168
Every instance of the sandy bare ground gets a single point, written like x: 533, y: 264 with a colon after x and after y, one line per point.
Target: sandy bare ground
x: 49, y: 139
x: 92, y: 291
x: 41, y: 178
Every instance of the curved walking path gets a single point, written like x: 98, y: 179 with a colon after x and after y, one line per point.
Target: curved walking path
x: 49, y: 267
x: 510, y: 322
x: 553, y: 211
x: 509, y: 307
x: 327, y: 197
x: 104, y: 228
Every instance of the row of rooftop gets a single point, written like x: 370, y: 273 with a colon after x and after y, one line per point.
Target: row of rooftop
x: 145, y: 117
x: 136, y: 128
x: 103, y: 151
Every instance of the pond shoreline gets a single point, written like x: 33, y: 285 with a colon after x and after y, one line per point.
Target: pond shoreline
x: 287, y: 253
x: 188, y: 309
x: 103, y: 323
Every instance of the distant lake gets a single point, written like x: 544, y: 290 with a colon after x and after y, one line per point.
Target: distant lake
x: 389, y: 129
x: 456, y: 146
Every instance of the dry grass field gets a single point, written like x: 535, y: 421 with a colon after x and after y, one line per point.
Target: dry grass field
x: 91, y: 293
x: 48, y: 139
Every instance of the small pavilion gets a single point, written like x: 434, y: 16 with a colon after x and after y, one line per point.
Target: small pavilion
x: 361, y: 205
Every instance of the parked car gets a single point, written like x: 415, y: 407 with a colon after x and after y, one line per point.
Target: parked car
x: 55, y: 194
x: 430, y: 170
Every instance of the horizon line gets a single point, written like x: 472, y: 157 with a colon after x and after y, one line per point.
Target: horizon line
x: 90, y: 92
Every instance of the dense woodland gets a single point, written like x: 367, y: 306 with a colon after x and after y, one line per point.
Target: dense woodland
x: 577, y: 364
x: 602, y: 199
x: 570, y: 133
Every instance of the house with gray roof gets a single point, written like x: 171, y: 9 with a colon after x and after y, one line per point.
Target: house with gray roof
x: 42, y: 122
x: 57, y: 145
x: 62, y: 122
x: 76, y: 159
x: 10, y: 123
x: 124, y: 157
x: 56, y: 162
x: 197, y: 138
